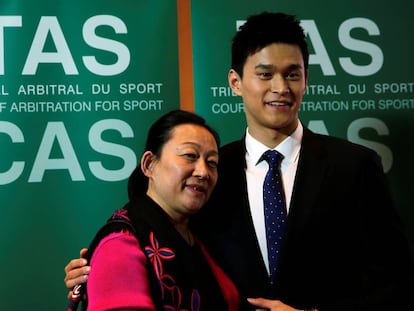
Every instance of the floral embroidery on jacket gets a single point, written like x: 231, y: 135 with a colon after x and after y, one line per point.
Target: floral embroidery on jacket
x: 170, y: 292
x: 120, y: 213
x: 156, y: 255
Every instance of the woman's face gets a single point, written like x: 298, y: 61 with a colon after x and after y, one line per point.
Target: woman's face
x: 182, y: 179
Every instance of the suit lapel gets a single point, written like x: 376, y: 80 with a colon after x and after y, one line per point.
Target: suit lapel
x: 235, y: 161
x: 310, y: 173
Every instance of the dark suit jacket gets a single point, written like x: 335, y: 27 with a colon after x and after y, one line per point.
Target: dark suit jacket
x: 344, y: 247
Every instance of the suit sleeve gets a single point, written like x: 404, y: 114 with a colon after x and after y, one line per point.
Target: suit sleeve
x: 118, y: 279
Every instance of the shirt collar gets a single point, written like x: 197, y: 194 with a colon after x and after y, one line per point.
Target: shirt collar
x: 289, y: 147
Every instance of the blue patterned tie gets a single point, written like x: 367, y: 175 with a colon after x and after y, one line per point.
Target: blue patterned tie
x: 274, y: 208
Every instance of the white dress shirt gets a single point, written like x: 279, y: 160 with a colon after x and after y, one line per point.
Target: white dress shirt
x: 256, y: 172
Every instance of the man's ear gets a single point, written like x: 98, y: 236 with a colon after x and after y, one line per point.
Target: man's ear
x: 147, y: 161
x: 234, y: 82
x: 306, y: 81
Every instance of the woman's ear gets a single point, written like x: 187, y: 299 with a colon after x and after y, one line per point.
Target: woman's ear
x: 147, y: 161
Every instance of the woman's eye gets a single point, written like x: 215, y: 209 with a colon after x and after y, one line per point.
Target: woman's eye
x: 190, y: 155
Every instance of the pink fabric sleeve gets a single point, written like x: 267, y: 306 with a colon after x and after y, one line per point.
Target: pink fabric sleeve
x: 118, y: 279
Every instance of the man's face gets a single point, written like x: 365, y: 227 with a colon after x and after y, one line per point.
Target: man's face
x: 273, y: 84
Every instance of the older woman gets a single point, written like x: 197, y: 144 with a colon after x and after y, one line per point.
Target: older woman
x: 159, y: 264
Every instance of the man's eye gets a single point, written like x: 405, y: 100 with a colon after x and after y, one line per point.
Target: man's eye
x: 265, y: 75
x: 213, y: 164
x: 293, y: 76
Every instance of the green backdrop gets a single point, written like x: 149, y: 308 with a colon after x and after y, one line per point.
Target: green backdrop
x: 81, y: 81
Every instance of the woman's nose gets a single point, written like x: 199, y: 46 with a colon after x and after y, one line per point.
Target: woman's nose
x: 201, y: 170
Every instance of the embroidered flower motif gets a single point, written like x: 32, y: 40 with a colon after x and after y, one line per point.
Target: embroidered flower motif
x: 120, y: 213
x: 156, y: 254
x: 177, y: 299
x: 195, y: 300
x: 170, y: 292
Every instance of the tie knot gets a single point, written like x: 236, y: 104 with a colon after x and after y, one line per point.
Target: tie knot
x: 272, y: 157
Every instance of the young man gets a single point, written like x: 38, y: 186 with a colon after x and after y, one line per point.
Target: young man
x: 343, y: 246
